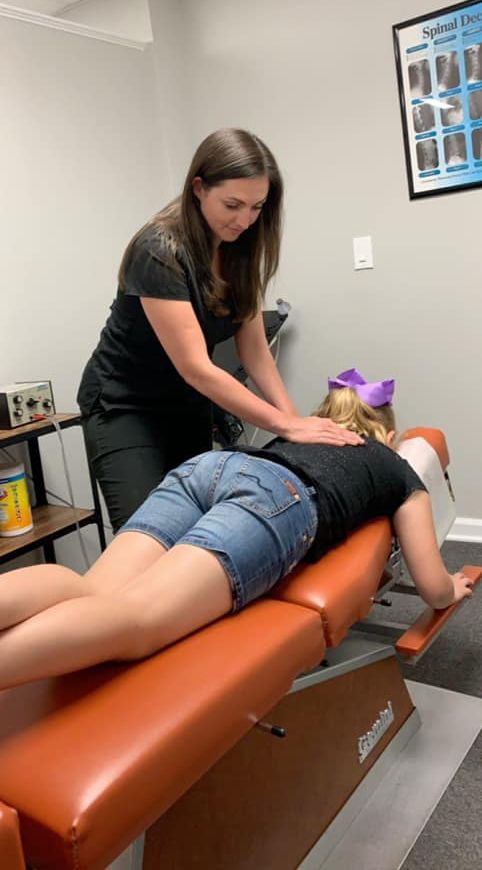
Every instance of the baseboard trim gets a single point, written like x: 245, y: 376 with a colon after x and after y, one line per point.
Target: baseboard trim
x: 467, y: 529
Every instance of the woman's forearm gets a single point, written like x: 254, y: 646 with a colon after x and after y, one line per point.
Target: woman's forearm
x: 230, y: 394
x: 257, y: 360
x: 265, y: 376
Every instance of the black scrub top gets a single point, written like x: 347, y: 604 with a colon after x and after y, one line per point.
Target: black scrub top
x: 129, y: 369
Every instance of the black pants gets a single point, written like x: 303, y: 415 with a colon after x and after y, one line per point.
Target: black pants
x: 131, y: 451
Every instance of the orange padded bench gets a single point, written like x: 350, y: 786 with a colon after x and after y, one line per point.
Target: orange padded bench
x: 90, y: 761
x: 11, y: 853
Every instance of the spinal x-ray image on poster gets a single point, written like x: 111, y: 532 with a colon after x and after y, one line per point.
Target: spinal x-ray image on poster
x: 439, y: 68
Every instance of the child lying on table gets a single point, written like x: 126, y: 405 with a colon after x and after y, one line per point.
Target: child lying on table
x: 217, y: 533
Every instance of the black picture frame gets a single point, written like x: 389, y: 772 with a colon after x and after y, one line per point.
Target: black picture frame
x: 439, y: 70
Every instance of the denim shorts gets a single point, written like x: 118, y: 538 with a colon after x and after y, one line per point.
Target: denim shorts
x: 257, y: 517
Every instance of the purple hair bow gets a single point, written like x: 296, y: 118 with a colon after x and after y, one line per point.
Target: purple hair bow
x: 375, y: 394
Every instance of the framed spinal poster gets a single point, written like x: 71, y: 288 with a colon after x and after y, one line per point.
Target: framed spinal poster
x: 439, y: 68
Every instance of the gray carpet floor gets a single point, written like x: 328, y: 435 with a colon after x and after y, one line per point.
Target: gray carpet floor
x: 452, y: 838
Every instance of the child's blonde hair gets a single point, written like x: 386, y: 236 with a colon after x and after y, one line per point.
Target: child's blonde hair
x: 345, y: 407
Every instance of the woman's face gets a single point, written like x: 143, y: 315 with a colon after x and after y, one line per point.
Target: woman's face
x: 232, y: 206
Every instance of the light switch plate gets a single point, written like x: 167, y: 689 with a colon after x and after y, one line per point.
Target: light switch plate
x: 363, y: 252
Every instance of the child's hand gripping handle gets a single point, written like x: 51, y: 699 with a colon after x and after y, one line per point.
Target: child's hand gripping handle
x: 426, y: 628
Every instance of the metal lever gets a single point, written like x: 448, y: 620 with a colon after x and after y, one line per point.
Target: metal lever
x: 275, y: 730
x: 384, y: 602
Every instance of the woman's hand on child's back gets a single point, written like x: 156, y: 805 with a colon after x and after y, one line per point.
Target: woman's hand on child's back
x: 463, y: 586
x: 319, y: 430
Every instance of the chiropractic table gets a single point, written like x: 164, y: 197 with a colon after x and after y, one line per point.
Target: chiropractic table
x: 241, y: 746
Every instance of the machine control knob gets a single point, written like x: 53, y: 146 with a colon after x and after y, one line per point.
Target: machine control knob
x: 32, y: 401
x: 17, y: 399
x: 47, y: 403
x: 18, y: 412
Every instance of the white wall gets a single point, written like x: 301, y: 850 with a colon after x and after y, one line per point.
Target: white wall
x: 317, y: 82
x: 83, y: 165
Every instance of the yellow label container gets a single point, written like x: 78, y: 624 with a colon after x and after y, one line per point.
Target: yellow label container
x: 15, y: 512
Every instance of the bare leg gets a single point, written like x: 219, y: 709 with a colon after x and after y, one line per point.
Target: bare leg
x: 27, y: 591
x: 183, y: 590
x: 125, y: 559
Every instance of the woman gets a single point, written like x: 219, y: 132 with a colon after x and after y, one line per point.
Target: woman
x: 193, y: 276
x: 217, y: 533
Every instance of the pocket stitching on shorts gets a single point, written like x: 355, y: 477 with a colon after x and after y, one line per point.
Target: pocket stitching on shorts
x: 292, y: 499
x: 175, y: 473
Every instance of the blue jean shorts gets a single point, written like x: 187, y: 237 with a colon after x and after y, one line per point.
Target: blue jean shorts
x: 257, y: 517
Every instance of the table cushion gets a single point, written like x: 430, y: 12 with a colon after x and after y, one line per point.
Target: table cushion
x: 11, y: 855
x: 342, y: 585
x: 92, y: 759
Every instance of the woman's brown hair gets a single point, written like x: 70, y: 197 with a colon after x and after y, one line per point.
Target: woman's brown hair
x: 250, y: 261
x: 344, y: 407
